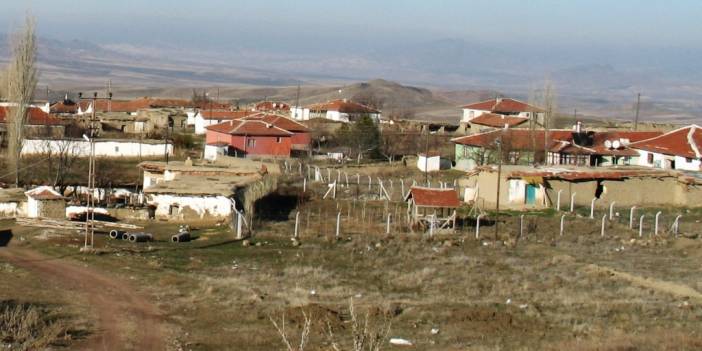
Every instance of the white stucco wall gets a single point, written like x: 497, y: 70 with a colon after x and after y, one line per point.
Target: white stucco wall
x: 206, y: 207
x: 433, y: 163
x: 683, y: 164
x: 190, y: 120
x: 300, y: 113
x: 106, y: 148
x: 469, y: 114
x: 11, y: 209
x: 212, y: 152
x: 202, y: 123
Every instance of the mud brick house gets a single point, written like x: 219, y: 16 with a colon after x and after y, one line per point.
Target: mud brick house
x: 524, y: 187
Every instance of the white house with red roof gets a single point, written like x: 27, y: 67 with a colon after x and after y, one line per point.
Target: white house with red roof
x: 504, y: 107
x: 677, y: 149
x: 342, y: 110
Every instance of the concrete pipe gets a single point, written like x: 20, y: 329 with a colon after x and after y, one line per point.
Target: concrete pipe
x: 181, y: 237
x: 140, y: 237
x: 116, y: 234
x: 125, y: 236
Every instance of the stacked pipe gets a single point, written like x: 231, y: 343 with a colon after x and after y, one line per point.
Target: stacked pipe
x: 181, y: 237
x: 117, y: 234
x: 140, y: 237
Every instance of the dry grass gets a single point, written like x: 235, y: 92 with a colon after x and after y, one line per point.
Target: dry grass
x: 28, y: 327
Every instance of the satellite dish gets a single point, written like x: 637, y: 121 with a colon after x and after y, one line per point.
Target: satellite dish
x: 608, y: 144
x: 616, y: 144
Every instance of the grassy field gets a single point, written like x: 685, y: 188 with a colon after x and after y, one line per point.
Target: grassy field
x: 536, y: 291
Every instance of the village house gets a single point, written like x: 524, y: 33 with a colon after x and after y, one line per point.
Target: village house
x: 300, y: 139
x: 560, y: 147
x: 206, y: 118
x: 249, y: 138
x: 525, y: 187
x: 677, y: 149
x: 503, y: 106
x: 181, y: 191
x: 39, y: 124
x: 341, y: 110
x: 491, y: 121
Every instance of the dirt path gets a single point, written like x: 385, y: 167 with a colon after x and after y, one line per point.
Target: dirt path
x: 125, y: 319
x: 674, y: 289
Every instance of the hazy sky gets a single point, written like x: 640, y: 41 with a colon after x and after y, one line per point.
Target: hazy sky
x: 265, y: 24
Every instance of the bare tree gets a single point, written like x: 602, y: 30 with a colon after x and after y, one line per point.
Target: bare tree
x: 60, y: 157
x: 287, y: 339
x: 22, y: 79
x: 367, y: 333
x: 549, y: 105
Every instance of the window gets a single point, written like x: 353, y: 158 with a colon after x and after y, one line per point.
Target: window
x: 251, y: 143
x: 116, y: 148
x: 278, y: 140
x: 688, y: 160
x: 650, y: 158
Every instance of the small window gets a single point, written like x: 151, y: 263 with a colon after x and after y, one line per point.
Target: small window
x: 650, y: 158
x: 251, y: 143
x: 116, y: 148
x: 688, y: 160
x: 278, y: 140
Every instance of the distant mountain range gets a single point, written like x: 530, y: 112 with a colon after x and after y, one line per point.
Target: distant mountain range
x: 595, y: 82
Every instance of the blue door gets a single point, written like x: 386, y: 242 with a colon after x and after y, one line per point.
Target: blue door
x: 530, y: 194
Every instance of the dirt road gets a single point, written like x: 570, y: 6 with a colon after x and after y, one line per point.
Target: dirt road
x: 125, y: 320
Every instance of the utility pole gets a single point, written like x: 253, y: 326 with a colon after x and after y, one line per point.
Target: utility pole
x: 636, y: 117
x: 168, y: 127
x: 499, y: 180
x: 426, y: 158
x: 297, y: 102
x: 90, y: 205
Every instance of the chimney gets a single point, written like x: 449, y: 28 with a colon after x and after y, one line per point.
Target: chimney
x: 498, y: 100
x: 578, y: 127
x: 345, y: 100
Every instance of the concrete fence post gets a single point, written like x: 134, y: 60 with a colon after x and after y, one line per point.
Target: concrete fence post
x: 611, y: 210
x: 572, y: 202
x: 402, y: 187
x: 558, y: 200
x: 304, y: 185
x: 297, y: 223
x: 604, y: 220
x: 631, y: 217
x: 431, y: 226
x: 592, y: 208
x: 562, y: 224
x: 641, y: 225
x: 521, y: 226
x: 370, y: 182
x: 676, y: 225
x: 655, y: 226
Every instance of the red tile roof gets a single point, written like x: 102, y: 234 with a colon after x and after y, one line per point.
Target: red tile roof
x: 35, y: 116
x: 271, y: 106
x: 684, y: 142
x: 249, y: 127
x: 515, y: 139
x: 342, y: 105
x: 64, y: 107
x: 503, y: 105
x: 432, y: 197
x: 279, y: 121
x: 225, y: 115
x: 44, y: 193
x: 497, y: 121
x: 599, y: 141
